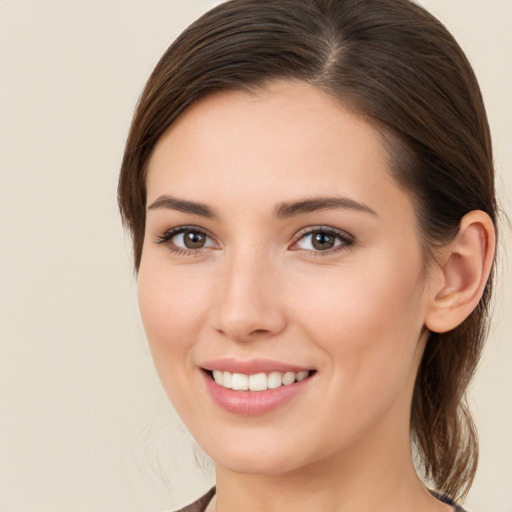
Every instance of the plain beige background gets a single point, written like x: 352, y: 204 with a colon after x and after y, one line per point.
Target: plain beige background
x: 84, y: 425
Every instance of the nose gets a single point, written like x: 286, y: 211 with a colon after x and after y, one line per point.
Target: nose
x: 250, y: 304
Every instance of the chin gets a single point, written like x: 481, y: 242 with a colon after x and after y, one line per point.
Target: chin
x: 256, y: 458
x: 259, y: 464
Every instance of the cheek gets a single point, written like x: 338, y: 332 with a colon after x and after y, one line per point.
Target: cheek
x: 172, y: 310
x: 367, y: 321
x: 172, y: 307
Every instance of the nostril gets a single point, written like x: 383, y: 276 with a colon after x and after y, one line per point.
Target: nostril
x: 259, y: 331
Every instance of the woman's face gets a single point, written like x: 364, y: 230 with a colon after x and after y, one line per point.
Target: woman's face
x: 279, y: 248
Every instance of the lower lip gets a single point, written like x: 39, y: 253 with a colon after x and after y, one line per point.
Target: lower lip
x: 252, y: 403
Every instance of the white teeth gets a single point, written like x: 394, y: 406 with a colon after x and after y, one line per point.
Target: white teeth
x: 227, y: 380
x: 240, y: 382
x: 301, y: 376
x: 218, y: 376
x: 274, y: 380
x: 288, y: 378
x: 257, y: 381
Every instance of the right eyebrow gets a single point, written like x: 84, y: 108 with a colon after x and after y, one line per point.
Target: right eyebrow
x: 180, y: 205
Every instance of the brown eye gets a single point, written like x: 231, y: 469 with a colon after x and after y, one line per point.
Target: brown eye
x: 322, y: 241
x: 185, y: 239
x: 194, y: 239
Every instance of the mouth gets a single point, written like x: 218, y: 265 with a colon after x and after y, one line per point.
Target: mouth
x: 257, y: 382
x: 255, y: 387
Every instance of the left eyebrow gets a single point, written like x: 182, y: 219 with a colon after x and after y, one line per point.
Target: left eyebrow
x: 290, y: 209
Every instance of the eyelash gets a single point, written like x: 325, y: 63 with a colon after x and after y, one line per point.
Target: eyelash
x: 346, y: 240
x: 169, y: 235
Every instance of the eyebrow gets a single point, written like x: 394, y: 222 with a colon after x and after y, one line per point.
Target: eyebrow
x: 290, y: 209
x: 282, y: 211
x: 180, y: 205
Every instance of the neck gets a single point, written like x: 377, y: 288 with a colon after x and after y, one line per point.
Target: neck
x: 341, y: 486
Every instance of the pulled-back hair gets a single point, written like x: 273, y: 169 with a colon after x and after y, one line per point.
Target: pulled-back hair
x: 396, y: 65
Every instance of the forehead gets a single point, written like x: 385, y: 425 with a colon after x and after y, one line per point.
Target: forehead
x: 289, y: 139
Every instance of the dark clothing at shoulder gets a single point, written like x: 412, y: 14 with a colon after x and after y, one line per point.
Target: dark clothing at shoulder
x: 448, y: 501
x: 201, y: 504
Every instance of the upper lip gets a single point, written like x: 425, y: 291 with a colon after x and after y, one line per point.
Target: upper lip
x: 252, y: 366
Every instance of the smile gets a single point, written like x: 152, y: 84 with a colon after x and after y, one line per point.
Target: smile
x: 258, y: 381
x: 252, y: 388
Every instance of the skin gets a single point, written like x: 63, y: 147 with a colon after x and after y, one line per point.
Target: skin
x: 258, y: 288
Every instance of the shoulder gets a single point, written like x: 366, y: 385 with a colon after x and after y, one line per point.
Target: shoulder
x: 201, y: 504
x: 448, y: 501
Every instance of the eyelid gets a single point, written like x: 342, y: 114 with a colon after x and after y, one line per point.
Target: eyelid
x: 166, y: 237
x: 346, y: 238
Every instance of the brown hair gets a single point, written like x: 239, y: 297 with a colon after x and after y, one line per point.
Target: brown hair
x: 394, y: 63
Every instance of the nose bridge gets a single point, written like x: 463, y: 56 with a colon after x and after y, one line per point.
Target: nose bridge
x: 248, y: 305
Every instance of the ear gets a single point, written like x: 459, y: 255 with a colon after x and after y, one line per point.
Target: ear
x: 463, y: 272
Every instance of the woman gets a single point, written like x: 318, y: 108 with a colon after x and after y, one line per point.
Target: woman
x: 309, y: 186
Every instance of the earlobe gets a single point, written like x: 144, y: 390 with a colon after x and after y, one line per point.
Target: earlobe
x: 464, y: 270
